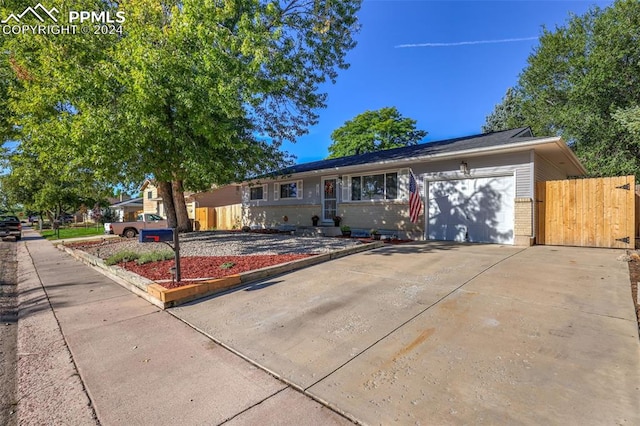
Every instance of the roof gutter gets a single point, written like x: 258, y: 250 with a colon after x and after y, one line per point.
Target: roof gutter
x: 456, y: 154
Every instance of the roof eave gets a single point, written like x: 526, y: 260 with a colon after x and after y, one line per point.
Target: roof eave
x: 519, y: 146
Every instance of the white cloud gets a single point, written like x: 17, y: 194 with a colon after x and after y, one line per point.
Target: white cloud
x: 465, y: 43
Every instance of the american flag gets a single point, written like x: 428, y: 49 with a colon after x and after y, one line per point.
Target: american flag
x: 415, y: 205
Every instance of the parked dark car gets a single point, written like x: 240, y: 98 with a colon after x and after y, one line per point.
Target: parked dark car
x: 10, y: 226
x: 66, y: 218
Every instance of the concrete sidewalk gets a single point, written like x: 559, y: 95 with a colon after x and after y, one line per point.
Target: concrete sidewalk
x: 90, y: 352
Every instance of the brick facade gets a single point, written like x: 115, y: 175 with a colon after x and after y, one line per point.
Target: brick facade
x: 523, y: 222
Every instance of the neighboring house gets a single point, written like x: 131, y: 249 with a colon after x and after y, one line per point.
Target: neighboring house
x: 127, y: 210
x: 479, y: 188
x: 218, y: 208
x: 152, y: 203
x: 225, y: 201
x: 222, y: 196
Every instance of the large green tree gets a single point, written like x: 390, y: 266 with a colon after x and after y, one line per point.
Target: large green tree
x: 629, y: 119
x: 50, y: 190
x: 507, y: 114
x: 191, y: 93
x: 374, y: 131
x: 583, y: 83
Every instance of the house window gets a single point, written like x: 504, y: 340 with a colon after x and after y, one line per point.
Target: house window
x: 356, y: 188
x: 256, y: 193
x: 289, y: 190
x: 149, y: 195
x: 391, y: 186
x: 383, y: 186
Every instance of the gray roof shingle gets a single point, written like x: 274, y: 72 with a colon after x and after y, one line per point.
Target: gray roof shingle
x: 485, y: 140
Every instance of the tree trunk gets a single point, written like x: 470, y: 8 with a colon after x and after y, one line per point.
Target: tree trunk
x: 166, y: 193
x: 184, y: 223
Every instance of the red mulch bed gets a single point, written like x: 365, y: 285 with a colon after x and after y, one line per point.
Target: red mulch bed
x: 200, y: 267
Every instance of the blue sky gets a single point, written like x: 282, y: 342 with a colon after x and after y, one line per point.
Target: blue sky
x: 449, y: 89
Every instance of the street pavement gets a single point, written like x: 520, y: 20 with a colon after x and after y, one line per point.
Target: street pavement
x: 424, y: 333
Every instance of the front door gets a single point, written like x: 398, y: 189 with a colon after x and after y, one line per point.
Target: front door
x: 329, y: 198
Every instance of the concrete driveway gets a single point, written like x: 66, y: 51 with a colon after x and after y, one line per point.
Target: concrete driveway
x: 438, y: 333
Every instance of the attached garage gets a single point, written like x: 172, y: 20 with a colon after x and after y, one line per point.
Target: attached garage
x: 474, y: 209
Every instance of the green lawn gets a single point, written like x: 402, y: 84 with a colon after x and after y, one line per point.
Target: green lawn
x: 72, y: 232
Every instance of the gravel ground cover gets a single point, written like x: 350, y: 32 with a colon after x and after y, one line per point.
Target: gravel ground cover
x: 224, y: 244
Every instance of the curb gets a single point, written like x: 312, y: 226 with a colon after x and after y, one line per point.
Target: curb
x: 166, y: 298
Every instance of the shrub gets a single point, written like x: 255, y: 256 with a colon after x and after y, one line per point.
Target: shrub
x: 107, y: 216
x: 227, y: 265
x: 155, y: 256
x: 141, y: 259
x: 121, y: 256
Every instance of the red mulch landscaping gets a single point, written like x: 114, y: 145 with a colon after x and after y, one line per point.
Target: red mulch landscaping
x: 197, y: 267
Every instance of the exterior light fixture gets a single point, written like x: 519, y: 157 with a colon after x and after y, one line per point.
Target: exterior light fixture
x: 464, y: 168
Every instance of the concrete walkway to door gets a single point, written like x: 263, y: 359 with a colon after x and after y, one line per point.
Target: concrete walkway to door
x: 438, y: 333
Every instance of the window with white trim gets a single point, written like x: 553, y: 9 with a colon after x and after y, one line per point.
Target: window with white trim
x: 257, y: 193
x: 287, y: 190
x: 382, y: 186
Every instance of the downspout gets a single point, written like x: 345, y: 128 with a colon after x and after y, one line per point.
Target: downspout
x: 534, y: 196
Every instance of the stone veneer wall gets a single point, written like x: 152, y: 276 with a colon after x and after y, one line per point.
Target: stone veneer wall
x: 389, y: 217
x: 385, y: 216
x: 272, y: 216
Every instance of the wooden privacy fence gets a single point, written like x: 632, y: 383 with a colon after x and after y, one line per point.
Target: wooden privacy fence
x: 205, y: 218
x: 587, y: 212
x: 229, y: 217
x: 225, y: 217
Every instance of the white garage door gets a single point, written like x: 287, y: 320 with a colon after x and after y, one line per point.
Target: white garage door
x: 475, y: 210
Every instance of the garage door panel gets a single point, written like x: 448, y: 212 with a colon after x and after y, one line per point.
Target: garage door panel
x: 448, y: 232
x: 476, y: 210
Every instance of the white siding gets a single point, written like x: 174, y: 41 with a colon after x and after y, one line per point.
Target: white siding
x: 544, y: 170
x: 403, y: 184
x: 518, y: 164
x: 346, y: 188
